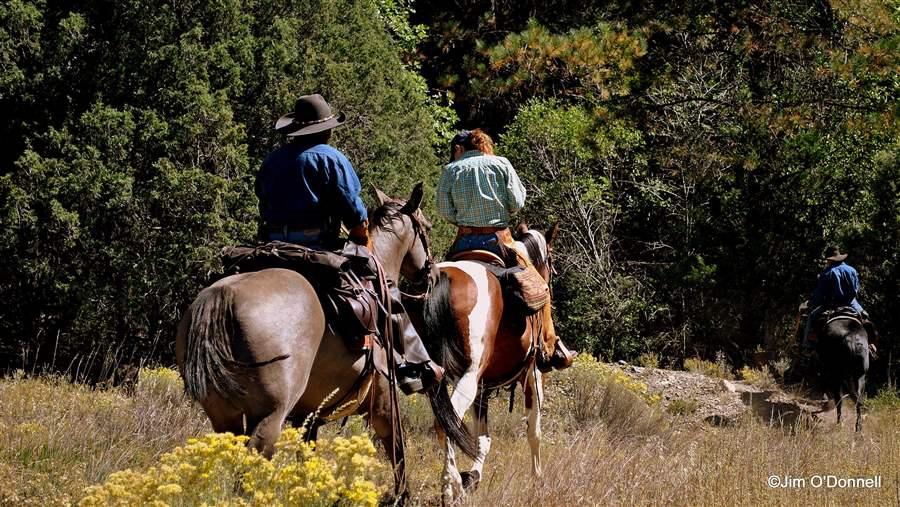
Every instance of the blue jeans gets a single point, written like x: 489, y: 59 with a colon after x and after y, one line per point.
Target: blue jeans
x: 298, y: 238
x: 487, y: 242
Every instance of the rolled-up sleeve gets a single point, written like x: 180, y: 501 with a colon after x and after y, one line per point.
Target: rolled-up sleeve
x: 515, y: 190
x: 444, y: 197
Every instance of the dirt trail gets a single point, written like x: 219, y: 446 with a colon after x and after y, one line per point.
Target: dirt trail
x: 726, y: 402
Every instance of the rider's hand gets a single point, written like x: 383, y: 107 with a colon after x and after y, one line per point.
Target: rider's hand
x: 360, y: 234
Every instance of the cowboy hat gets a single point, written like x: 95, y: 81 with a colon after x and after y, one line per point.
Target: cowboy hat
x: 833, y: 253
x: 311, y: 115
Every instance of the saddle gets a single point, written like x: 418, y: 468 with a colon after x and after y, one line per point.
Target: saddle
x: 844, y: 313
x: 344, y: 281
x: 524, y: 288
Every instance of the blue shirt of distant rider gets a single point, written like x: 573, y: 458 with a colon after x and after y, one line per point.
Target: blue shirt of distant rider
x: 836, y: 286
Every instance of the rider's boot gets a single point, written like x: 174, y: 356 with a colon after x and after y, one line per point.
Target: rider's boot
x: 416, y: 372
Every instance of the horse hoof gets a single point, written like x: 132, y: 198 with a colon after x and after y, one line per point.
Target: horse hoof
x: 470, y: 480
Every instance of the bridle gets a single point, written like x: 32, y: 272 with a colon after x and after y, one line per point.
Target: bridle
x: 421, y: 280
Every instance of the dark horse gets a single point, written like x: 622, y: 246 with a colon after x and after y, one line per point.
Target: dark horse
x: 843, y: 347
x: 254, y: 348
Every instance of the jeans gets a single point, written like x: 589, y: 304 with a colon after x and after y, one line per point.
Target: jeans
x: 299, y: 238
x: 487, y: 242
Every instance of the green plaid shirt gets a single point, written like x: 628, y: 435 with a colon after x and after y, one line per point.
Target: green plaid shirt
x: 480, y: 190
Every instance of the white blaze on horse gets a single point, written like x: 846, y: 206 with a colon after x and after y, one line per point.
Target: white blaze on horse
x: 255, y: 349
x: 485, y: 344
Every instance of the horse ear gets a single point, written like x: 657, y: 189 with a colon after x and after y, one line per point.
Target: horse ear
x: 551, y: 234
x: 415, y: 199
x: 380, y: 197
x: 521, y: 230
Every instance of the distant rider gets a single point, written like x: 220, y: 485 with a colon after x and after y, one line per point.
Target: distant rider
x: 837, y: 286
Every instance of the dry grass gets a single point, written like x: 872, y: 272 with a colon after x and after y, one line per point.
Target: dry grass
x: 56, y: 438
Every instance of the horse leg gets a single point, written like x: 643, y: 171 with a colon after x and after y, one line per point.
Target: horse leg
x: 534, y: 398
x: 463, y: 396
x: 223, y: 415
x: 264, y: 431
x: 380, y: 419
x: 471, y: 478
x: 837, y: 393
x: 859, y: 394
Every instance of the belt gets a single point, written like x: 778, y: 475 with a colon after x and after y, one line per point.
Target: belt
x: 465, y: 229
x: 286, y: 229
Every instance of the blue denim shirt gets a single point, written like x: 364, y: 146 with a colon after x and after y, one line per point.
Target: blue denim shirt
x: 837, y: 286
x: 309, y: 186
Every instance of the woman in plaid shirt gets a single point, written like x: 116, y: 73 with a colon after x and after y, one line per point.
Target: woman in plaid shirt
x: 478, y: 192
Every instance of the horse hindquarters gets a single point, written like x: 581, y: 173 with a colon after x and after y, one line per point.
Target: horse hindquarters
x: 246, y: 349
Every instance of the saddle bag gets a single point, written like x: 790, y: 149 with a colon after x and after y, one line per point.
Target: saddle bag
x: 523, y: 288
x: 530, y: 288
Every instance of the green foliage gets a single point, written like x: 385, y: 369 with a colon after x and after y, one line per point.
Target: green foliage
x: 888, y: 398
x: 134, y: 131
x: 568, y: 159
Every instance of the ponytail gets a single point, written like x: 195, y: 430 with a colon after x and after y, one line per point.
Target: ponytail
x: 479, y: 140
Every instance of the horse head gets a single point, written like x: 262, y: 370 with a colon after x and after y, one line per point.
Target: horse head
x: 399, y: 232
x: 539, y: 248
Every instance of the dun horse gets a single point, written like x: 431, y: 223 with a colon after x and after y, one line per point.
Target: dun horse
x: 484, y: 345
x: 843, y: 347
x: 254, y: 348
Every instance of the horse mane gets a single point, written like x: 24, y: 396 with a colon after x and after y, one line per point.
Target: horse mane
x: 533, y: 246
x: 382, y: 215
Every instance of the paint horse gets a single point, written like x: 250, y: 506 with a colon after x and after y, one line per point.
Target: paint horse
x: 255, y: 349
x: 484, y: 344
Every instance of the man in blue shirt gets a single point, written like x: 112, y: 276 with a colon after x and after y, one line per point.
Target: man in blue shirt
x: 837, y: 286
x: 306, y: 190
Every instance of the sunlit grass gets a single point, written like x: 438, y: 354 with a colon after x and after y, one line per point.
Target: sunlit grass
x: 57, y: 438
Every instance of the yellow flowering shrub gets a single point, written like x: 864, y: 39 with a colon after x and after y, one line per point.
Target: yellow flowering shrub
x: 597, y: 372
x: 584, y: 387
x: 219, y: 469
x: 761, y: 378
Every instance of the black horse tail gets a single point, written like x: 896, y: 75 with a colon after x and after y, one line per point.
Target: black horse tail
x: 442, y: 337
x: 208, y: 360
x: 450, y: 421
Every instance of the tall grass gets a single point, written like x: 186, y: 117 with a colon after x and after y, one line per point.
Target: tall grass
x: 56, y: 438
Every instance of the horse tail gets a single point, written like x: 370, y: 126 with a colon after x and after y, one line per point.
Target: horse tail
x: 208, y: 358
x: 443, y: 339
x: 450, y: 421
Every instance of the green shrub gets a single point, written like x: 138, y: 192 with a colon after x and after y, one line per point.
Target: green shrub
x: 888, y: 398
